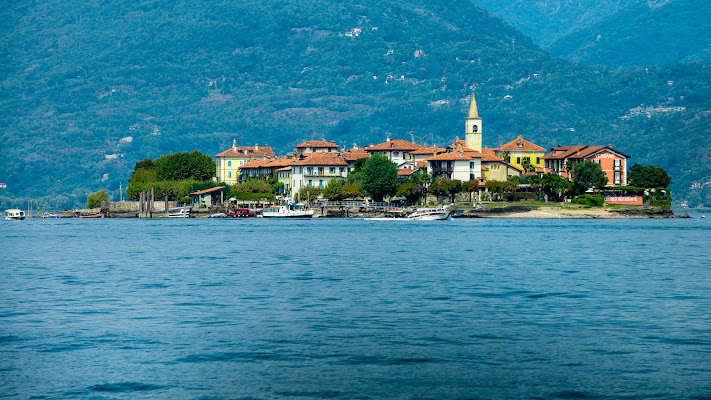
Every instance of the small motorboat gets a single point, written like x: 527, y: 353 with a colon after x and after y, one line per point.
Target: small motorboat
x: 14, y: 214
x: 430, y: 214
x: 92, y: 215
x: 179, y: 212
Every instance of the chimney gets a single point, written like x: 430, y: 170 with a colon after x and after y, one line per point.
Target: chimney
x: 388, y: 140
x: 234, y: 145
x: 256, y: 147
x: 333, y: 141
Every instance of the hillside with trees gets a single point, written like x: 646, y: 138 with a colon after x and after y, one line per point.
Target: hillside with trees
x: 643, y: 35
x: 89, y: 89
x: 549, y: 20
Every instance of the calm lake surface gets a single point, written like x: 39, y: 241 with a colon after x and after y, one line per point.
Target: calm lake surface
x: 355, y: 309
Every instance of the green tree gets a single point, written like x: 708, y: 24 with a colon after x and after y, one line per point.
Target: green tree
x: 309, y: 193
x: 95, y: 199
x: 506, y: 155
x: 194, y: 165
x: 648, y: 177
x: 334, y: 190
x: 412, y: 192
x: 495, y: 187
x: 588, y: 175
x: 379, y: 177
x: 554, y: 186
x: 526, y: 164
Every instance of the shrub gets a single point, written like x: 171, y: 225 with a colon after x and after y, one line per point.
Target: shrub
x: 589, y: 200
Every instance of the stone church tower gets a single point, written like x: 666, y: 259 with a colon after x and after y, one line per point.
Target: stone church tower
x: 473, y: 127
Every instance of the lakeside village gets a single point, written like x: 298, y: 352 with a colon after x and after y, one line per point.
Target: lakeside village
x: 397, y: 178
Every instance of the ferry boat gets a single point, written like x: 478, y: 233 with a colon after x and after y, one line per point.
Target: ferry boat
x: 430, y: 214
x: 290, y: 210
x: 14, y: 214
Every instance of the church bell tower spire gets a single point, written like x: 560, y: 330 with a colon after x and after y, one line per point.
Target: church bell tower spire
x: 473, y: 127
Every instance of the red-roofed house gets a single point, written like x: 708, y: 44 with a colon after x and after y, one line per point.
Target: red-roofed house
x: 519, y: 150
x: 229, y: 161
x: 397, y: 150
x: 613, y: 162
x: 317, y: 169
x: 315, y: 146
x: 457, y: 164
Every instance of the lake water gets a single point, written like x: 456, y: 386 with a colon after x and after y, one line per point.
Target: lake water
x: 355, y: 309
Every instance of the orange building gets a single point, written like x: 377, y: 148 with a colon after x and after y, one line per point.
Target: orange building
x: 613, y: 162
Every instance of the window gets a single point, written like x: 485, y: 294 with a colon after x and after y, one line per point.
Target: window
x: 472, y: 177
x: 472, y: 164
x: 320, y: 170
x: 596, y: 161
x: 395, y: 154
x: 618, y: 177
x: 309, y: 171
x: 309, y: 182
x: 538, y: 160
x: 241, y: 163
x: 229, y: 174
x: 618, y: 164
x: 320, y: 183
x: 332, y: 170
x: 229, y: 163
x: 518, y: 160
x: 342, y: 169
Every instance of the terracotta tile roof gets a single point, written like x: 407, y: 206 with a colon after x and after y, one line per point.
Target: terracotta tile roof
x: 484, y: 169
x: 210, y: 190
x: 318, y: 143
x: 354, y: 154
x: 577, y: 152
x: 246, y: 151
x: 394, y: 144
x: 489, y: 151
x: 520, y: 144
x: 280, y: 162
x: 456, y: 155
x: 323, y: 159
x: 405, y: 172
x: 255, y: 164
x: 486, y: 157
x: 420, y: 164
x: 285, y: 168
x: 429, y: 150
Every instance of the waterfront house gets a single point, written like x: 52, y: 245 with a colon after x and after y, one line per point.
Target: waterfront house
x: 207, y: 197
x: 231, y: 160
x: 519, y: 150
x: 317, y: 170
x: 562, y: 161
x: 424, y: 153
x: 457, y: 164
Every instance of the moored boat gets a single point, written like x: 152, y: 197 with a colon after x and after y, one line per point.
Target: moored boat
x: 14, y: 214
x: 290, y: 210
x: 92, y: 215
x: 179, y: 212
x: 430, y: 214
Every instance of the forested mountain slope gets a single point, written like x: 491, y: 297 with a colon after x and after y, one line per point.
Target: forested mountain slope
x: 77, y: 77
x: 549, y: 20
x: 651, y: 33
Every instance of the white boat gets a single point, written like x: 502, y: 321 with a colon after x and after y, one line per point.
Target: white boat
x: 14, y: 214
x: 430, y: 214
x: 179, y: 212
x: 289, y: 210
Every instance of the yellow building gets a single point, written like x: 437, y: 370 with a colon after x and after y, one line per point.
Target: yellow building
x: 229, y: 161
x: 520, y: 150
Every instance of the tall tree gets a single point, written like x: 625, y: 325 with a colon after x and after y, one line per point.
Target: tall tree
x: 648, y: 177
x: 379, y: 177
x: 588, y: 175
x: 194, y: 165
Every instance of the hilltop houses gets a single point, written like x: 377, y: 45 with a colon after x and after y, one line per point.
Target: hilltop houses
x: 315, y: 163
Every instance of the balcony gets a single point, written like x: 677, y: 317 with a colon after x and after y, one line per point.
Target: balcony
x: 443, y: 170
